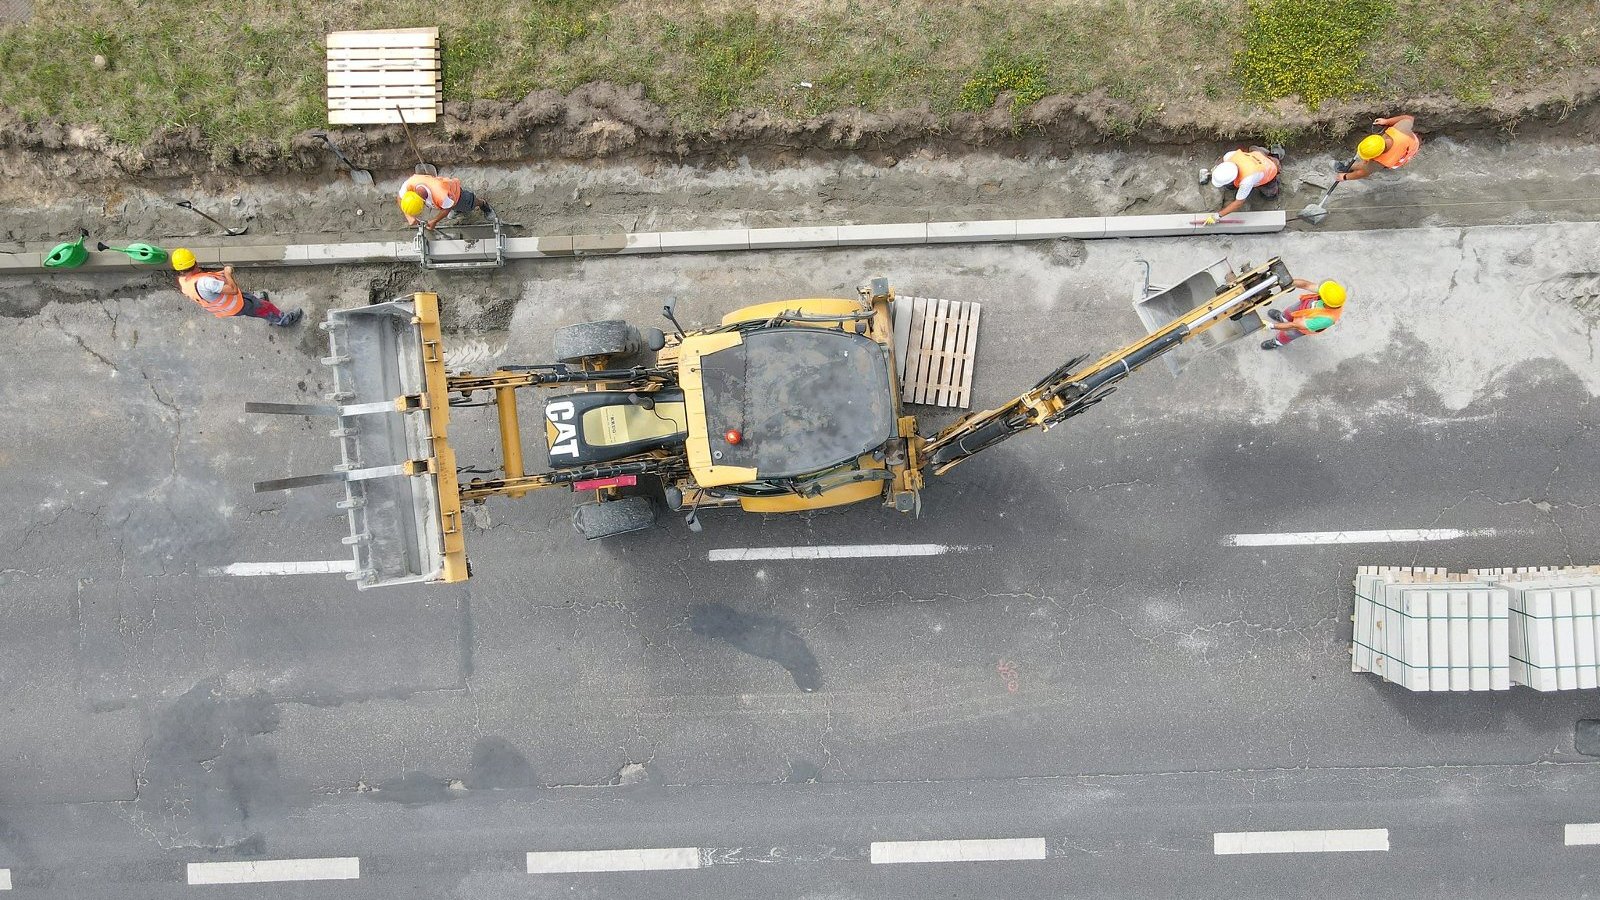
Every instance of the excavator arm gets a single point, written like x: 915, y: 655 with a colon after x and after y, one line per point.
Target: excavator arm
x: 1073, y: 387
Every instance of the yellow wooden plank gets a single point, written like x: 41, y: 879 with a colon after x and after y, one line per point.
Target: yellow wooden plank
x: 378, y: 65
x: 384, y: 103
x: 349, y: 93
x: 908, y: 391
x: 926, y: 365
x: 379, y: 79
x: 369, y: 54
x: 969, y: 350
x: 394, y: 37
x: 383, y: 116
x: 949, y: 364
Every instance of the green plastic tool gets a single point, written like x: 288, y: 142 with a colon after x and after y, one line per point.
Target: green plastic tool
x: 68, y: 254
x: 142, y: 253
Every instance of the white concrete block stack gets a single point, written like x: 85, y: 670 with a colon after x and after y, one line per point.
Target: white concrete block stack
x: 1486, y: 629
x: 1555, y: 629
x: 1428, y: 630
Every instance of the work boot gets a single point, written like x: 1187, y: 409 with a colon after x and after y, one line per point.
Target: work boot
x: 1205, y: 176
x: 266, y: 297
x: 1276, y: 316
x: 1270, y: 344
x: 1277, y: 152
x: 288, y: 319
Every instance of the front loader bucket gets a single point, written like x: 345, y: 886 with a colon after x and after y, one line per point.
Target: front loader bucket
x: 1158, y: 306
x: 400, y: 485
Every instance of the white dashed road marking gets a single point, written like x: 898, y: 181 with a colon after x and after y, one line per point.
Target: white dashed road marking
x: 1583, y: 834
x: 836, y: 551
x: 1334, y: 841
x: 957, y: 851
x: 309, y: 567
x: 562, y: 861
x: 255, y: 870
x: 1392, y: 536
x: 5, y: 879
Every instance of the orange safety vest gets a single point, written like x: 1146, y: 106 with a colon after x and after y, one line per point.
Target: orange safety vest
x: 436, y: 187
x: 1402, y: 147
x: 1251, y: 162
x: 1298, y: 317
x: 230, y: 303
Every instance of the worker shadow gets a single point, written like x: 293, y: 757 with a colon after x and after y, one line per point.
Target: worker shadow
x: 765, y: 637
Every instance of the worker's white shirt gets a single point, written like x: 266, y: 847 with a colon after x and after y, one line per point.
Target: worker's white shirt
x: 1249, y: 184
x: 427, y: 199
x: 210, y: 288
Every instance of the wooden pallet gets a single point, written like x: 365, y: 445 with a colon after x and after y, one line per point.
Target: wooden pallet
x: 372, y: 72
x: 940, y: 346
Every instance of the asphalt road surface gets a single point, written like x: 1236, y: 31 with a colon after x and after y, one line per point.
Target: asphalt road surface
x: 1079, y: 669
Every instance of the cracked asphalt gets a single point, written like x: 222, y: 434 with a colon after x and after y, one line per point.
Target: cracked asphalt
x: 1095, y: 666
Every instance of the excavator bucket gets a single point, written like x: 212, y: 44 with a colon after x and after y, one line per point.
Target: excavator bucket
x: 391, y: 401
x: 1158, y: 306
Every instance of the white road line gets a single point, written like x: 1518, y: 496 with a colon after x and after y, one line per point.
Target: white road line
x: 552, y: 862
x: 5, y: 879
x: 957, y: 851
x: 256, y: 870
x: 835, y: 551
x: 1334, y: 841
x: 308, y: 567
x: 1583, y: 834
x: 1394, y: 536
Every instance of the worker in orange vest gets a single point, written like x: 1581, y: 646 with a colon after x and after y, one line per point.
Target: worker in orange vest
x: 1389, y: 150
x: 445, y: 196
x: 219, y: 294
x: 1318, y: 310
x: 1255, y: 169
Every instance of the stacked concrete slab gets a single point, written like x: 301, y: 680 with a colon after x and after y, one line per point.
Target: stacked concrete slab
x: 1428, y: 630
x: 1485, y: 629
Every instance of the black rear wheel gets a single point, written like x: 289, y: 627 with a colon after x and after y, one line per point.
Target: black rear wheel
x: 590, y: 340
x: 595, y: 520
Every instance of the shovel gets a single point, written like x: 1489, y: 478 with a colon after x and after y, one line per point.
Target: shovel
x: 230, y: 232
x: 145, y: 254
x: 359, y: 176
x: 1316, y: 212
x: 422, y: 167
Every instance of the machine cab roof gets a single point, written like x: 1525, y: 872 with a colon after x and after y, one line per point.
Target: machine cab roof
x: 782, y: 402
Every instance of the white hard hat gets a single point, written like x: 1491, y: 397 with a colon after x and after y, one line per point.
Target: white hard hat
x: 1224, y: 174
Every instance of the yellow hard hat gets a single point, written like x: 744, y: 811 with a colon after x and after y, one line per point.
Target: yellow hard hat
x: 182, y: 258
x: 1332, y: 294
x: 1370, y: 146
x: 411, y: 203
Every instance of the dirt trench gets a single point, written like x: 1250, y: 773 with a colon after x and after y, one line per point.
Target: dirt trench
x: 605, y: 121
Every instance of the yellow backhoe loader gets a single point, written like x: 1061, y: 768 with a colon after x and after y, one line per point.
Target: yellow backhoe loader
x: 781, y: 407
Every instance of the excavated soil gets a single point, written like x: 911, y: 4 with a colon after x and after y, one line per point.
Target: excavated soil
x: 608, y: 121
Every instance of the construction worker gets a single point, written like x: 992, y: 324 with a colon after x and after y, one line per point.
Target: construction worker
x: 220, y: 295
x: 442, y: 195
x: 1255, y: 169
x: 1389, y: 150
x: 1318, y: 310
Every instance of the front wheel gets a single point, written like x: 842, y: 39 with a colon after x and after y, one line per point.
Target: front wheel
x: 595, y: 520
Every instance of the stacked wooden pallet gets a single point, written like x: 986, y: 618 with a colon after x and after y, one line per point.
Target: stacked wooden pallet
x: 375, y: 76
x: 938, y: 341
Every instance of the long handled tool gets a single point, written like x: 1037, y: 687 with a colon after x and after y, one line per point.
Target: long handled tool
x: 230, y: 232
x: 359, y: 176
x: 422, y: 167
x: 1318, y: 211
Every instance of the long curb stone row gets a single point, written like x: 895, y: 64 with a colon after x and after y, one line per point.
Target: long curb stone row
x: 704, y: 241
